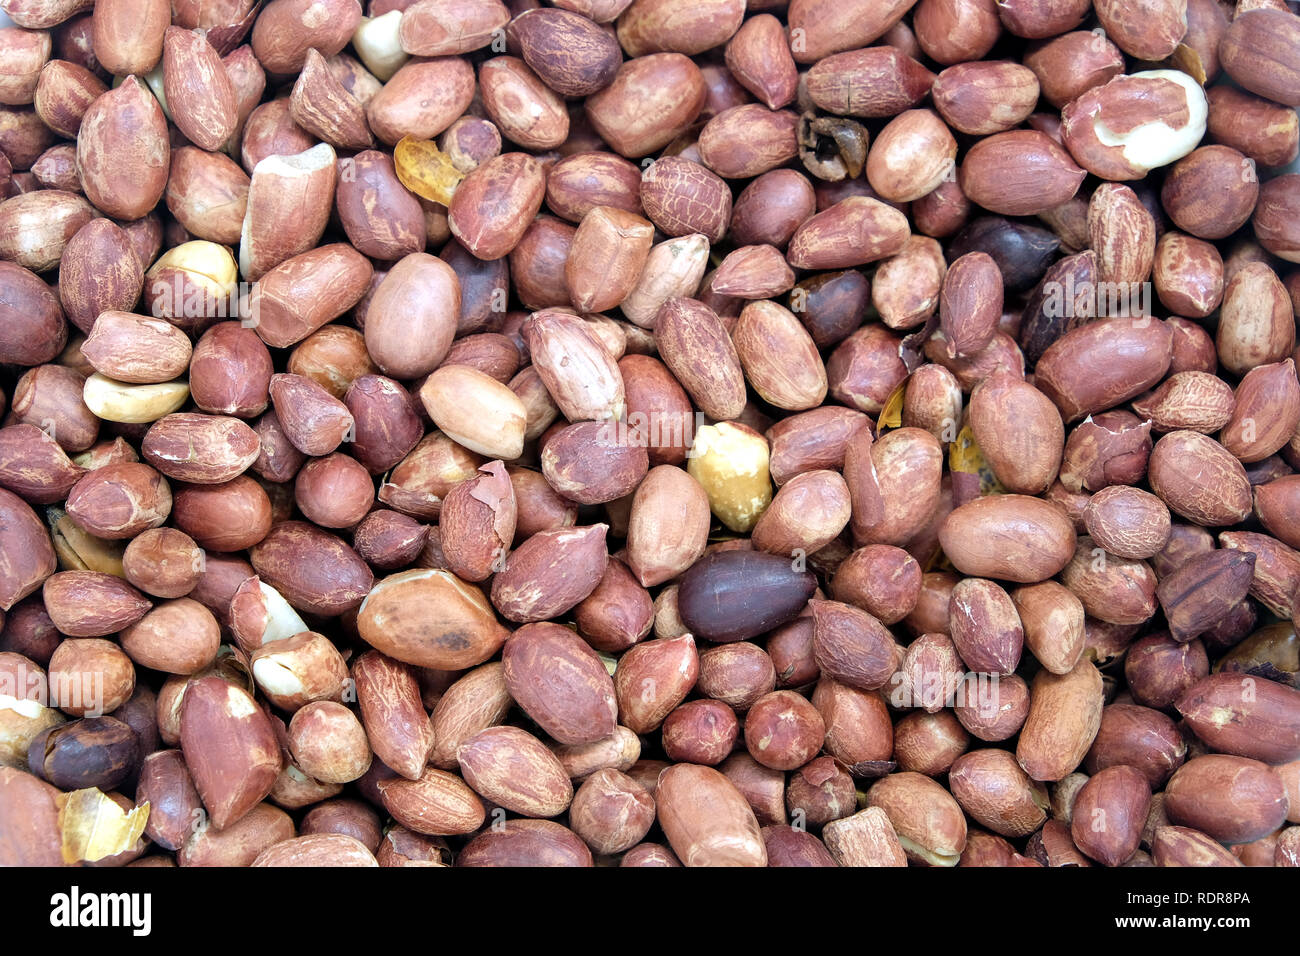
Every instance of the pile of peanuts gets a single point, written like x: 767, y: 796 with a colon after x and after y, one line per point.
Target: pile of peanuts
x: 649, y: 433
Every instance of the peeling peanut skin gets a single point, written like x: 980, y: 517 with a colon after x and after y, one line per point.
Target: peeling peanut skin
x: 928, y: 820
x: 230, y: 748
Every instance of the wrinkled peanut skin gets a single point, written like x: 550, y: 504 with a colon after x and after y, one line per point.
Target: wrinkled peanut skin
x: 650, y: 433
